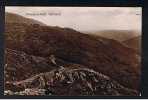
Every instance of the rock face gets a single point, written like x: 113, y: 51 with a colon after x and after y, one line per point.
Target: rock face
x: 75, y: 81
x: 29, y: 49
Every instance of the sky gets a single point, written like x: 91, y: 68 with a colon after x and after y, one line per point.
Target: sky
x: 84, y: 18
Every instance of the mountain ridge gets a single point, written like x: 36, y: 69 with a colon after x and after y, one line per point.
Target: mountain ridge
x: 119, y: 35
x: 15, y: 18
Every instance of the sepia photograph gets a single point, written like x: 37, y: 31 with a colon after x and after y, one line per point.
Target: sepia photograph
x: 72, y: 51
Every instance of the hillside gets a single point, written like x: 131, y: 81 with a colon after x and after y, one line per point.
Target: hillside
x: 119, y: 35
x: 134, y: 43
x: 31, y: 53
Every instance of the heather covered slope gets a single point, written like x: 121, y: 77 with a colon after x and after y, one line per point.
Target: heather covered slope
x: 73, y: 46
x: 30, y: 50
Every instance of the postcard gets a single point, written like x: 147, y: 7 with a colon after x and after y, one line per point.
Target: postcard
x: 72, y: 51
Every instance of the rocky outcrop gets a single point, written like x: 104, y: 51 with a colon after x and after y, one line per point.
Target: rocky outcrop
x: 68, y: 82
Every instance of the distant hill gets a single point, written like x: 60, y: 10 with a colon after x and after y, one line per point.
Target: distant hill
x: 119, y: 35
x: 106, y: 56
x: 134, y: 43
x: 15, y: 18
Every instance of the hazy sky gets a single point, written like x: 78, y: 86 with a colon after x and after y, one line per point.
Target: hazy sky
x: 84, y: 18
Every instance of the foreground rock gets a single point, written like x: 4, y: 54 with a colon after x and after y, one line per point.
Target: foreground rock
x: 70, y: 82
